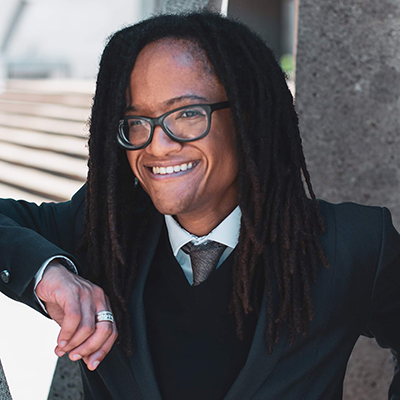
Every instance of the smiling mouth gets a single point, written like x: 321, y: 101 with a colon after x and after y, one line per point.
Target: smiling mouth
x: 173, y: 168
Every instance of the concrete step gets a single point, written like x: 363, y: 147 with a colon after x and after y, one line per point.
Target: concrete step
x: 43, y: 138
x: 53, y: 163
x: 69, y: 99
x: 41, y: 124
x: 74, y: 93
x: 37, y: 182
x: 71, y: 146
x: 73, y: 86
x: 54, y: 111
x: 8, y: 192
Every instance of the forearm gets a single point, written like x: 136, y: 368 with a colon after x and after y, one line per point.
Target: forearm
x: 31, y: 234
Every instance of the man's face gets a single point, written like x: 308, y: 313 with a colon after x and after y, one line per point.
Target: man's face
x: 168, y: 75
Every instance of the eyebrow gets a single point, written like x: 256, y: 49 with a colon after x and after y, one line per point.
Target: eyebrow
x: 174, y: 100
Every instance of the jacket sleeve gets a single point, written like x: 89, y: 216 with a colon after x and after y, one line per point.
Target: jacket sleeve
x: 384, y: 321
x: 31, y: 234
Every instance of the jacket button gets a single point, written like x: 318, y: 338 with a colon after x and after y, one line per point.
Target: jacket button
x: 5, y: 276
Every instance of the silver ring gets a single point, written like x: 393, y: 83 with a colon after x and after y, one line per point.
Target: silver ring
x: 104, y: 316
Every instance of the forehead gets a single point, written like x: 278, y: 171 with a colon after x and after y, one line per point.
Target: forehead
x: 185, y: 53
x: 169, y: 69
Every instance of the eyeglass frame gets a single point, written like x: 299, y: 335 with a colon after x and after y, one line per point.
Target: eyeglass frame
x: 159, y: 121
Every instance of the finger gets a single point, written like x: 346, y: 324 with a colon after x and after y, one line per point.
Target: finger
x: 95, y: 359
x: 69, y: 325
x: 86, y: 327
x: 97, y: 345
x: 101, y: 331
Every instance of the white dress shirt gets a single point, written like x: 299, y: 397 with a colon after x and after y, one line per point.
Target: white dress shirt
x: 227, y: 233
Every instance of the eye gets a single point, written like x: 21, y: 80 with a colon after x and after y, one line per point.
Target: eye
x: 135, y: 124
x: 189, y: 114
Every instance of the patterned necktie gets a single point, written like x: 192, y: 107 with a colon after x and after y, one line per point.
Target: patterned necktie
x: 204, y: 258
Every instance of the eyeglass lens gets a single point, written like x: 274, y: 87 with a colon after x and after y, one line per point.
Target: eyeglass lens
x: 188, y: 123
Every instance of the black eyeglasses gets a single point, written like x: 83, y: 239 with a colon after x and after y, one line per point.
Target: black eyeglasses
x: 184, y: 124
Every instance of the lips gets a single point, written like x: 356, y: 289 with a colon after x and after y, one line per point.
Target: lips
x: 171, y: 169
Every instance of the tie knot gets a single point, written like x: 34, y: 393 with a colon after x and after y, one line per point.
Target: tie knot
x: 204, y: 258
x: 209, y: 246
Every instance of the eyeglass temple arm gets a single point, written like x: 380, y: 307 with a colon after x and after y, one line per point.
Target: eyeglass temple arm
x: 220, y: 106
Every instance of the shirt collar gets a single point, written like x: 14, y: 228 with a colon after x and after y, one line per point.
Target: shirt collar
x: 227, y: 232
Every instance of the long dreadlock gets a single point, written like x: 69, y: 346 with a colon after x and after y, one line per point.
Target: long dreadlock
x: 279, y: 235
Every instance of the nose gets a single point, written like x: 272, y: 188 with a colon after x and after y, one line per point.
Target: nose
x: 161, y: 144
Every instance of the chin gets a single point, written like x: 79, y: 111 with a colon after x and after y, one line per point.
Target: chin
x: 167, y: 209
x: 171, y: 209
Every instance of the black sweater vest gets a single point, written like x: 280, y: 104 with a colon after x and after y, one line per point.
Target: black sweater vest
x: 191, y: 335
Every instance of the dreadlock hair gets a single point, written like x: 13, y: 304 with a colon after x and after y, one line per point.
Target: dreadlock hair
x: 279, y: 241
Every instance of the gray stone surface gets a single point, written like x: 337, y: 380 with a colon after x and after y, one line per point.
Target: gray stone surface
x: 67, y: 383
x: 348, y: 99
x: 177, y: 6
x: 4, y: 391
x: 174, y: 6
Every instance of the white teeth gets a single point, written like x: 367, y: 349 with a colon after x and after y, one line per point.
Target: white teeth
x: 172, y: 169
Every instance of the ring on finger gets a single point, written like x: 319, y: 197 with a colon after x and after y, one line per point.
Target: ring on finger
x: 104, y: 316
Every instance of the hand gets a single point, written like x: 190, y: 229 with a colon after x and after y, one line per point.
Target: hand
x: 73, y: 302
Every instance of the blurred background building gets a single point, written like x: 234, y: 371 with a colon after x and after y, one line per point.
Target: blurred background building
x: 43, y: 39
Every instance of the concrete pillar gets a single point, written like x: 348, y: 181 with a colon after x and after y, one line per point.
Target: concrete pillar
x: 177, y: 6
x: 265, y: 17
x: 67, y: 382
x: 348, y: 99
x: 4, y: 391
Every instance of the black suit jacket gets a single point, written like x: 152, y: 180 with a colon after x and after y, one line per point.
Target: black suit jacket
x: 358, y: 294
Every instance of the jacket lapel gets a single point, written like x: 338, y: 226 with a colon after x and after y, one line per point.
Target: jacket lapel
x: 116, y: 374
x: 259, y: 363
x: 141, y: 361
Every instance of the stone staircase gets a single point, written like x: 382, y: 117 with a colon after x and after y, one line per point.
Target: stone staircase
x: 43, y: 136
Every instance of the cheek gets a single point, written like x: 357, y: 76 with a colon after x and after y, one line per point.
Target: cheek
x: 227, y: 153
x: 231, y: 164
x: 132, y: 159
x: 225, y: 166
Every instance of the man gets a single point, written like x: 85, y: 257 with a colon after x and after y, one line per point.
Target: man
x: 194, y: 141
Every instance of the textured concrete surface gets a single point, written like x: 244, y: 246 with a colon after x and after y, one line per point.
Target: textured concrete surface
x: 176, y: 6
x: 67, y: 383
x: 172, y: 6
x: 4, y: 391
x: 348, y: 99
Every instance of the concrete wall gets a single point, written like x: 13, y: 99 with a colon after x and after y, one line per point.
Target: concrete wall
x: 67, y: 382
x: 348, y: 99
x: 4, y: 392
x: 265, y: 17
